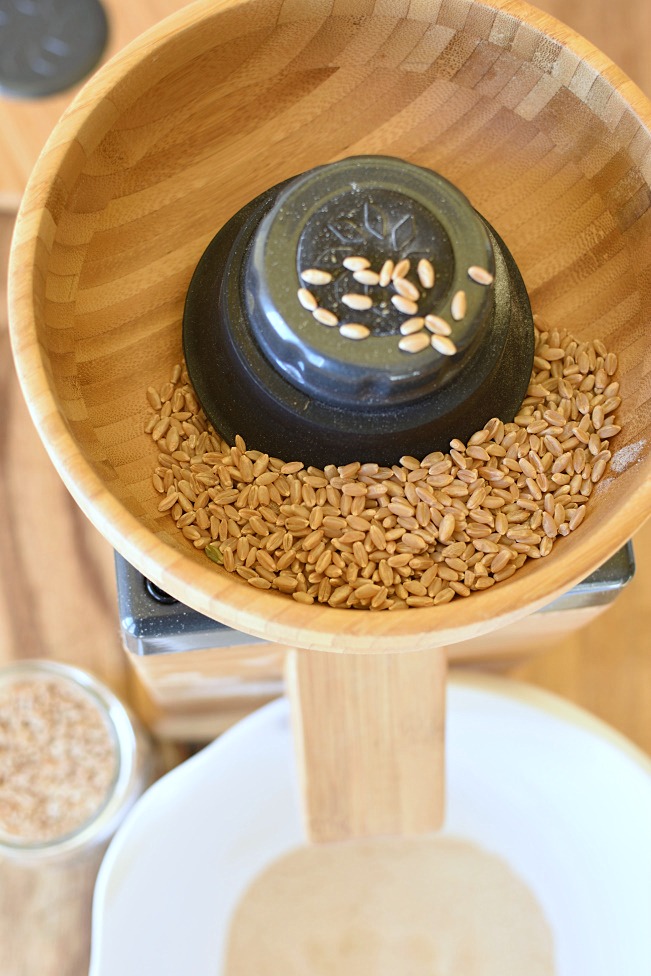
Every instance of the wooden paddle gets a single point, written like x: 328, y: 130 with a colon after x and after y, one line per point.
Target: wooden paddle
x: 369, y: 733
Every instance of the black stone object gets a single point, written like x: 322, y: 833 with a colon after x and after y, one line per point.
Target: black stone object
x: 155, y: 592
x: 47, y: 46
x: 263, y: 367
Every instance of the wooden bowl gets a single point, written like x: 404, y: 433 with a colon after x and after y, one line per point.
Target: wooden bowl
x: 548, y: 139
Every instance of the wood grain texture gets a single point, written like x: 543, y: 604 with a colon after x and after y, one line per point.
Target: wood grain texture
x: 537, y: 127
x: 615, y: 28
x: 58, y: 583
x: 196, y: 696
x: 45, y: 918
x: 25, y: 125
x: 369, y: 739
x: 606, y: 667
x: 44, y: 922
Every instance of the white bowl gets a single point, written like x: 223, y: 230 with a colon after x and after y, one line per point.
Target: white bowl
x: 564, y: 799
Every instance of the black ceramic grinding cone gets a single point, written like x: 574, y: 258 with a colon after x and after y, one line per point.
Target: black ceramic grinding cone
x: 263, y: 366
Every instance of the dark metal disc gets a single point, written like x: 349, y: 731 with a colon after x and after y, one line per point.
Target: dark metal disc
x: 47, y: 46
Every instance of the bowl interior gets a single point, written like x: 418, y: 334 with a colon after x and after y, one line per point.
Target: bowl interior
x: 548, y: 140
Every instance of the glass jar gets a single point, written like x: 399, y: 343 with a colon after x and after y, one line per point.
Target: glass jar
x: 107, y: 765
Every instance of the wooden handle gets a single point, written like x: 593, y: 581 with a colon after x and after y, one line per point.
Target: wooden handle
x: 369, y: 731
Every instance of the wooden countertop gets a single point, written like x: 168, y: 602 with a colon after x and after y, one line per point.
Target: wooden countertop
x: 57, y: 598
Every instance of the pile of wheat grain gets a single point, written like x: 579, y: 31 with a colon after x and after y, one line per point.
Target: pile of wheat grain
x: 419, y: 533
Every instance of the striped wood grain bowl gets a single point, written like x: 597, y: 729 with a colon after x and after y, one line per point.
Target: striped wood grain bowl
x: 548, y: 139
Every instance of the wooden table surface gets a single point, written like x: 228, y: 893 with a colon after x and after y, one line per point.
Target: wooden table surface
x: 57, y: 598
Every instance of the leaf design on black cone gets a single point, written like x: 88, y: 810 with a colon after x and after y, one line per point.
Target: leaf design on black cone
x: 347, y: 232
x: 375, y: 221
x: 402, y: 233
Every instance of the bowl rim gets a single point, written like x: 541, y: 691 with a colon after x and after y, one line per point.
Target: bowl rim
x: 263, y: 614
